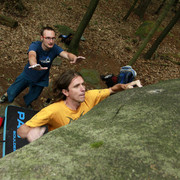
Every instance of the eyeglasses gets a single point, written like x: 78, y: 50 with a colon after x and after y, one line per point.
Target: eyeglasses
x: 50, y: 38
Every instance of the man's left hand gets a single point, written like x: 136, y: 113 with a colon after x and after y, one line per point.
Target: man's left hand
x: 77, y: 59
x: 120, y: 87
x: 38, y: 67
x: 133, y: 84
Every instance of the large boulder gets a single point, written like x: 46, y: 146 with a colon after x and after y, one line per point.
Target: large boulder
x: 134, y: 134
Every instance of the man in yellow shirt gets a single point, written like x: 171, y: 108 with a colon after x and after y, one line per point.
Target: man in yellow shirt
x: 72, y: 102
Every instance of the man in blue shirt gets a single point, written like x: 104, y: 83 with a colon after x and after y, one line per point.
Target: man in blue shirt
x: 36, y: 72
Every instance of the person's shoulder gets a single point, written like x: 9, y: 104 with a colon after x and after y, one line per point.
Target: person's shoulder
x: 97, y: 92
x: 35, y: 44
x: 54, y: 106
x: 89, y: 93
x: 49, y: 110
x: 57, y: 47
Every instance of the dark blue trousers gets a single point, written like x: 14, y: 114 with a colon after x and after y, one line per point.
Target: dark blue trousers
x: 19, y: 85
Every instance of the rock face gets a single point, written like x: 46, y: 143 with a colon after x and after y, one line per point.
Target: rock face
x: 134, y: 134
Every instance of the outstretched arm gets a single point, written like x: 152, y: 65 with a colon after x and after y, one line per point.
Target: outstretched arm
x: 73, y: 58
x: 33, y: 62
x: 120, y: 87
x: 30, y: 133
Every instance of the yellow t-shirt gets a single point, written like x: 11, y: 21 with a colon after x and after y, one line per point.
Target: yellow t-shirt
x: 58, y: 114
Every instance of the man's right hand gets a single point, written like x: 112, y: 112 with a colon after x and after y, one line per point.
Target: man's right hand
x: 35, y: 133
x: 38, y: 67
x: 120, y: 87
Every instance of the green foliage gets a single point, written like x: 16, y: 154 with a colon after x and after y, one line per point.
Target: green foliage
x: 93, y: 23
x: 134, y: 41
x: 167, y: 57
x: 9, y: 79
x: 127, y: 48
x: 69, y: 8
x: 97, y: 144
x: 91, y: 76
x: 144, y: 29
x: 178, y: 55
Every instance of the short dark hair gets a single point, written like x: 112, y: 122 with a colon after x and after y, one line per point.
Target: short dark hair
x: 62, y: 82
x: 46, y: 28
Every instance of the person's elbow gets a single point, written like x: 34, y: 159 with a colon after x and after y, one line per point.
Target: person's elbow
x: 19, y: 131
x: 64, y: 54
x: 23, y: 130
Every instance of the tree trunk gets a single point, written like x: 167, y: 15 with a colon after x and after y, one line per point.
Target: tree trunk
x: 153, y: 30
x: 162, y: 4
x: 130, y: 10
x: 141, y: 9
x: 155, y: 45
x: 160, y: 7
x: 83, y: 24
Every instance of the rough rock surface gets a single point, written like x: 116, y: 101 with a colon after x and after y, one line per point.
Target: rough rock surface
x: 131, y: 135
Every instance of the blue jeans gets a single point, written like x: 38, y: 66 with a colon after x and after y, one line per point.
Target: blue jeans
x: 19, y: 85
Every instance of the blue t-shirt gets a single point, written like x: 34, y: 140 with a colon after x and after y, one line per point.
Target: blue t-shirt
x: 45, y: 59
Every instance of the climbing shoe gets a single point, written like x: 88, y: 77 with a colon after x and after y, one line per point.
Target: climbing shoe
x: 3, y: 99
